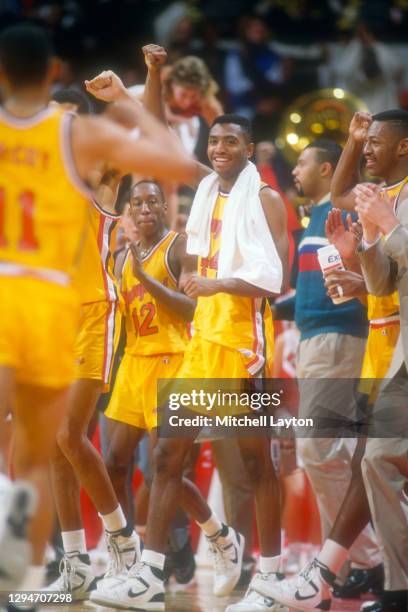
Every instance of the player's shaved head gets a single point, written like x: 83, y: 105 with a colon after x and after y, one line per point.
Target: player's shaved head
x: 25, y: 55
x: 148, y: 182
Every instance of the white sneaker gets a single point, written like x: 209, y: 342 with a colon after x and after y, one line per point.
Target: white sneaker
x: 143, y: 589
x: 309, y: 590
x: 227, y: 553
x: 124, y: 553
x: 255, y: 602
x: 17, y: 504
x: 76, y: 577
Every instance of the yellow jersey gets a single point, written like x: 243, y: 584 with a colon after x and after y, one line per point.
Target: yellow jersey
x: 233, y: 321
x: 95, y: 280
x: 43, y: 207
x: 151, y: 328
x: 386, y: 308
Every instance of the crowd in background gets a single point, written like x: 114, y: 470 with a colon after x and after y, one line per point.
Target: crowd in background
x: 253, y: 57
x: 263, y: 54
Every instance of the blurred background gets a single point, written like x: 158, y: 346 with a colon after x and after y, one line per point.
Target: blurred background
x: 261, y: 56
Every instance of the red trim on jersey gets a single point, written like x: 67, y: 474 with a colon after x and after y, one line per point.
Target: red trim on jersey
x: 101, y: 233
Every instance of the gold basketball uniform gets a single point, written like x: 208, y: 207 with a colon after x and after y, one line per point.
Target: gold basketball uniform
x: 43, y: 218
x: 100, y: 318
x: 236, y: 324
x: 156, y: 339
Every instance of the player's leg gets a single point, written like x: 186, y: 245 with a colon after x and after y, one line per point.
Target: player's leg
x: 257, y: 459
x: 76, y: 574
x: 82, y: 455
x: 7, y: 386
x: 169, y: 489
x: 17, y: 499
x: 122, y: 442
x: 80, y: 462
x: 38, y: 413
x: 145, y: 584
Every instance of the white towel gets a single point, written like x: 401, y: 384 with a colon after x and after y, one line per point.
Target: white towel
x: 247, y: 248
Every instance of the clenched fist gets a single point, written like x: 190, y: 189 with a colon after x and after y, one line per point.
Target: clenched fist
x: 155, y: 56
x: 107, y: 86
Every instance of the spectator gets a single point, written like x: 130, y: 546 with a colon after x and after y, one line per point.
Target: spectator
x: 369, y: 69
x: 254, y: 73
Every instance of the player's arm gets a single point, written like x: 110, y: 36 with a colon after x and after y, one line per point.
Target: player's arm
x: 108, y: 87
x: 276, y: 217
x: 275, y: 214
x: 347, y: 173
x: 173, y: 300
x: 155, y: 57
x: 197, y: 286
x: 156, y: 152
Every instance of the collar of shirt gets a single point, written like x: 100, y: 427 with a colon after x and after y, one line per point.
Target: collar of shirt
x: 326, y: 198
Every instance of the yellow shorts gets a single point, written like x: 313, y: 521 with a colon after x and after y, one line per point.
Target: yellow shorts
x: 205, y: 359
x: 97, y: 341
x: 134, y: 396
x: 379, y: 351
x: 38, y: 328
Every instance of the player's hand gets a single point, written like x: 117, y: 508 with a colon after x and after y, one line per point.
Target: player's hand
x: 353, y: 284
x: 154, y: 56
x: 344, y: 239
x: 359, y: 125
x: 197, y: 286
x: 137, y: 260
x: 374, y: 208
x: 107, y: 86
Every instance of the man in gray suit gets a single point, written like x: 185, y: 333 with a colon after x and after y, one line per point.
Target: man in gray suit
x: 385, y: 464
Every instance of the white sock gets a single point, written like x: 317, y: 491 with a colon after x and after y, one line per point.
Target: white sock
x: 114, y: 521
x: 34, y: 578
x: 269, y: 565
x: 153, y: 558
x: 211, y: 526
x: 333, y: 555
x: 74, y: 541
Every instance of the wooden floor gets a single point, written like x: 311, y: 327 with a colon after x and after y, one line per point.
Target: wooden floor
x: 197, y: 597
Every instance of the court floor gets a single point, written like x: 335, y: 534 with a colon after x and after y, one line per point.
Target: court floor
x: 197, y: 597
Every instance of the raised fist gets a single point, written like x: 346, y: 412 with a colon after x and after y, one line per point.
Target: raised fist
x: 107, y: 86
x: 155, y: 56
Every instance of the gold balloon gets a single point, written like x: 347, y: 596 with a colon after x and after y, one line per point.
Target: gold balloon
x: 325, y: 113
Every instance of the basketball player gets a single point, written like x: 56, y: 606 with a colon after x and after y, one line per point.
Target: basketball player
x: 224, y: 321
x: 156, y: 319
x: 381, y: 139
x: 76, y: 460
x: 47, y: 158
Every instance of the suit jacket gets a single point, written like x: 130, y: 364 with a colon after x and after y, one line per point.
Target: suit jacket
x: 385, y: 269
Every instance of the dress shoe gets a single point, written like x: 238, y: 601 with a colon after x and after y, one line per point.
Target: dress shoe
x: 360, y: 581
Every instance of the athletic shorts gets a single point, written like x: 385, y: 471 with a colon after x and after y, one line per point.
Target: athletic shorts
x: 134, y: 395
x: 38, y: 329
x: 205, y: 359
x: 99, y: 332
x: 381, y: 342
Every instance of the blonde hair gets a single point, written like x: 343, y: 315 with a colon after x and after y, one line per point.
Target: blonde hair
x: 190, y: 71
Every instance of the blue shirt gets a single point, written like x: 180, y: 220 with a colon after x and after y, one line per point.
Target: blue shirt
x: 314, y: 311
